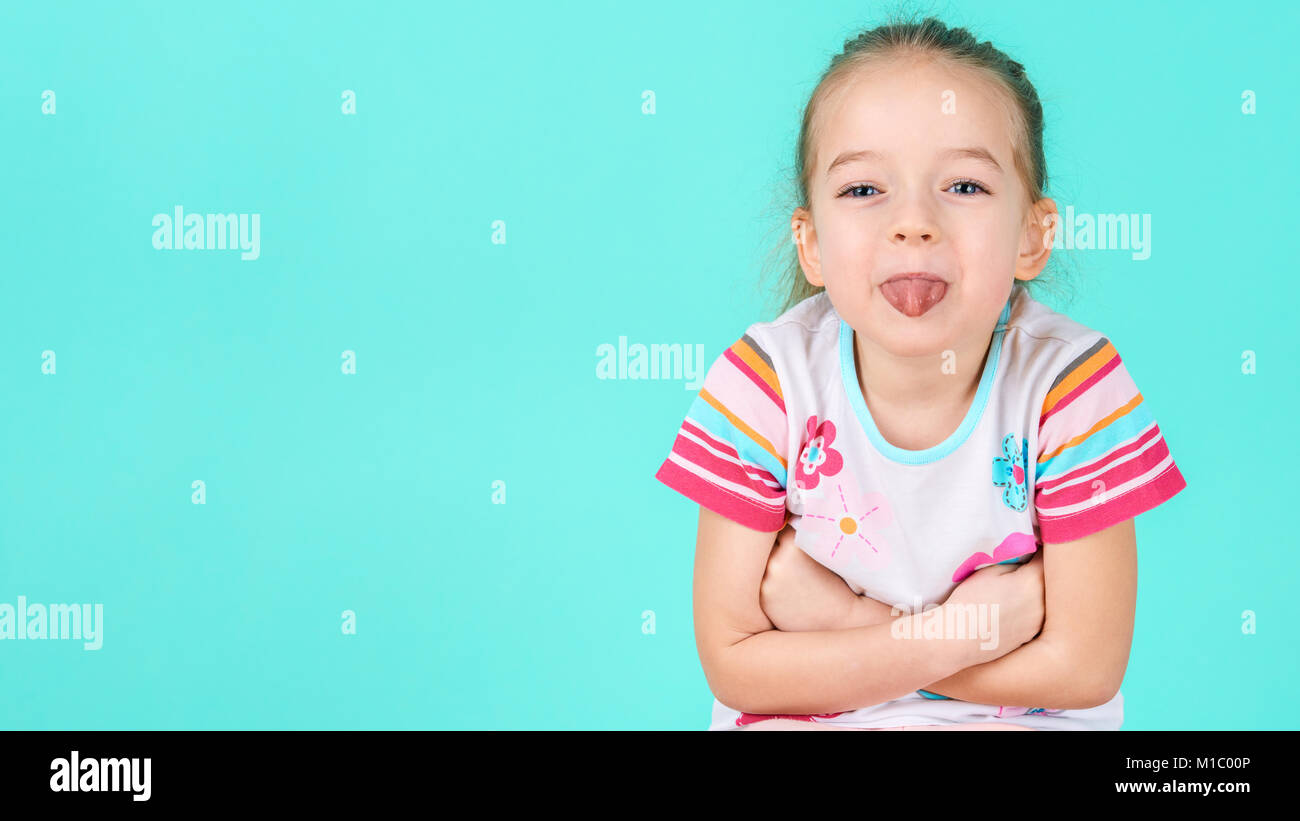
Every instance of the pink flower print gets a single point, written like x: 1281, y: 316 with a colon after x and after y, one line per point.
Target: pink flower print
x: 754, y: 718
x: 1014, y: 546
x: 817, y: 458
x: 853, y: 522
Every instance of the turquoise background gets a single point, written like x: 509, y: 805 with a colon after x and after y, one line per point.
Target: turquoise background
x: 476, y: 362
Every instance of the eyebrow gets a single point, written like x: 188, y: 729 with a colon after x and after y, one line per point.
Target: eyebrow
x: 973, y: 153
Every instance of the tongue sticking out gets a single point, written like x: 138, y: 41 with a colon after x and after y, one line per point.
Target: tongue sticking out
x: 914, y: 297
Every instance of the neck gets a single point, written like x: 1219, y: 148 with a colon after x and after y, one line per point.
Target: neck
x: 930, y: 385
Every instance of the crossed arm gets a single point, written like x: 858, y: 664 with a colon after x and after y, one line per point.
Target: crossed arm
x: 1079, y: 658
x: 759, y: 658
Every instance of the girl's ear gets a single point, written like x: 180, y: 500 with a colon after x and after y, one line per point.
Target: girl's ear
x: 1041, y: 224
x: 805, y: 240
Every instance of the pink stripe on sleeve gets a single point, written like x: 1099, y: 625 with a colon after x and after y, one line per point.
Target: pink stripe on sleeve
x: 1084, y: 410
x: 751, y: 514
x: 1100, y: 463
x: 727, y: 450
x: 752, y: 404
x: 1087, y: 388
x: 1059, y: 529
x: 744, y: 368
x: 728, y: 469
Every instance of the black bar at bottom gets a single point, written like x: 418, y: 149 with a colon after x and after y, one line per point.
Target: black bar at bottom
x: 138, y: 771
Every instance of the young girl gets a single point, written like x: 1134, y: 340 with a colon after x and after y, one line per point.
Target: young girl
x: 915, y: 415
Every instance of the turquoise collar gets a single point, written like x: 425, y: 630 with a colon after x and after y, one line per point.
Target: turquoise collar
x: 849, y: 375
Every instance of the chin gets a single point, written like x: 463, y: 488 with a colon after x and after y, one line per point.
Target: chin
x: 929, y: 329
x: 913, y: 341
x: 918, y: 347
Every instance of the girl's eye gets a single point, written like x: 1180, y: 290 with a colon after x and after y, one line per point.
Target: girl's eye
x: 980, y: 186
x: 856, y: 187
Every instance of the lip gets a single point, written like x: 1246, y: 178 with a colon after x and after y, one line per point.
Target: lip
x: 917, y: 275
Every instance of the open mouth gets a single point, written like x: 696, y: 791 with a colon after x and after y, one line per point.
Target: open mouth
x: 914, y: 294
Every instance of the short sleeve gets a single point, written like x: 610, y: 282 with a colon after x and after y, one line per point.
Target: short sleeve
x: 729, y: 454
x: 1102, y: 458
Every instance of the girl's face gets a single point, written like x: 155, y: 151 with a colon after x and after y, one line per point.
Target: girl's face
x: 914, y: 173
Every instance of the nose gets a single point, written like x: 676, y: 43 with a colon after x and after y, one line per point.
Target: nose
x: 913, y: 229
x: 913, y: 221
x: 902, y: 235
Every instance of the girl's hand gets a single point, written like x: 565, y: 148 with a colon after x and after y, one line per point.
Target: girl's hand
x: 1017, y: 590
x: 798, y: 593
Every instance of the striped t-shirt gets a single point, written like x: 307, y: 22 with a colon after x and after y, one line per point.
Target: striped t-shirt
x: 1057, y: 444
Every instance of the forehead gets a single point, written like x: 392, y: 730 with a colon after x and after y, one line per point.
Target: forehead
x: 910, y: 108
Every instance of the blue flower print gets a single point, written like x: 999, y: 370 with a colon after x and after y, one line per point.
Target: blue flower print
x: 1009, y: 472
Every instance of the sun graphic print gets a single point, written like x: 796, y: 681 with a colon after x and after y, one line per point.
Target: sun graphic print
x: 845, y: 528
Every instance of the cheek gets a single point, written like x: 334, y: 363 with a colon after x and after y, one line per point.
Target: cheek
x: 847, y: 255
x: 987, y: 255
x: 849, y: 287
x: 849, y: 263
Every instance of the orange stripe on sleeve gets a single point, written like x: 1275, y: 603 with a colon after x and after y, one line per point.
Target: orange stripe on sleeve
x: 742, y: 427
x: 1079, y: 375
x: 1111, y: 417
x: 755, y: 362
